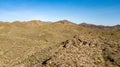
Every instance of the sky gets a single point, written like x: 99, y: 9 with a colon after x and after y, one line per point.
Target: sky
x: 100, y: 12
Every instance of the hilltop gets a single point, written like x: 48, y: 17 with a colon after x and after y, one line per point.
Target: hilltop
x: 58, y: 44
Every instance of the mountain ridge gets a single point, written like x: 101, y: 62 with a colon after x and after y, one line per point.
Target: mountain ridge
x: 66, y: 22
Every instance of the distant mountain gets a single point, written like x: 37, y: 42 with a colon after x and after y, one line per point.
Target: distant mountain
x: 65, y: 22
x: 98, y: 26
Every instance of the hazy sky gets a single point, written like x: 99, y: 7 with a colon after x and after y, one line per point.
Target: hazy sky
x: 105, y: 12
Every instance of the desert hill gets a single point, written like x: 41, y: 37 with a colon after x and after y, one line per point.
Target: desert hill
x: 60, y: 44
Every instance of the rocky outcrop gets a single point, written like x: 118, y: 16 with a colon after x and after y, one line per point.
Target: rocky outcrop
x: 76, y: 41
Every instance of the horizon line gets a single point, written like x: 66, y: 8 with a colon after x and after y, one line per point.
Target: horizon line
x: 56, y: 21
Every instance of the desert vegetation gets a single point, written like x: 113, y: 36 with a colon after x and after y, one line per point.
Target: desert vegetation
x: 58, y: 44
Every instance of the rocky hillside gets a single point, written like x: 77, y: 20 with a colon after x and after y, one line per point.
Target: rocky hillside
x: 60, y: 44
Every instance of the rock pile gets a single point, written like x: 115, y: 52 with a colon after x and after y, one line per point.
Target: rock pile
x: 76, y: 41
